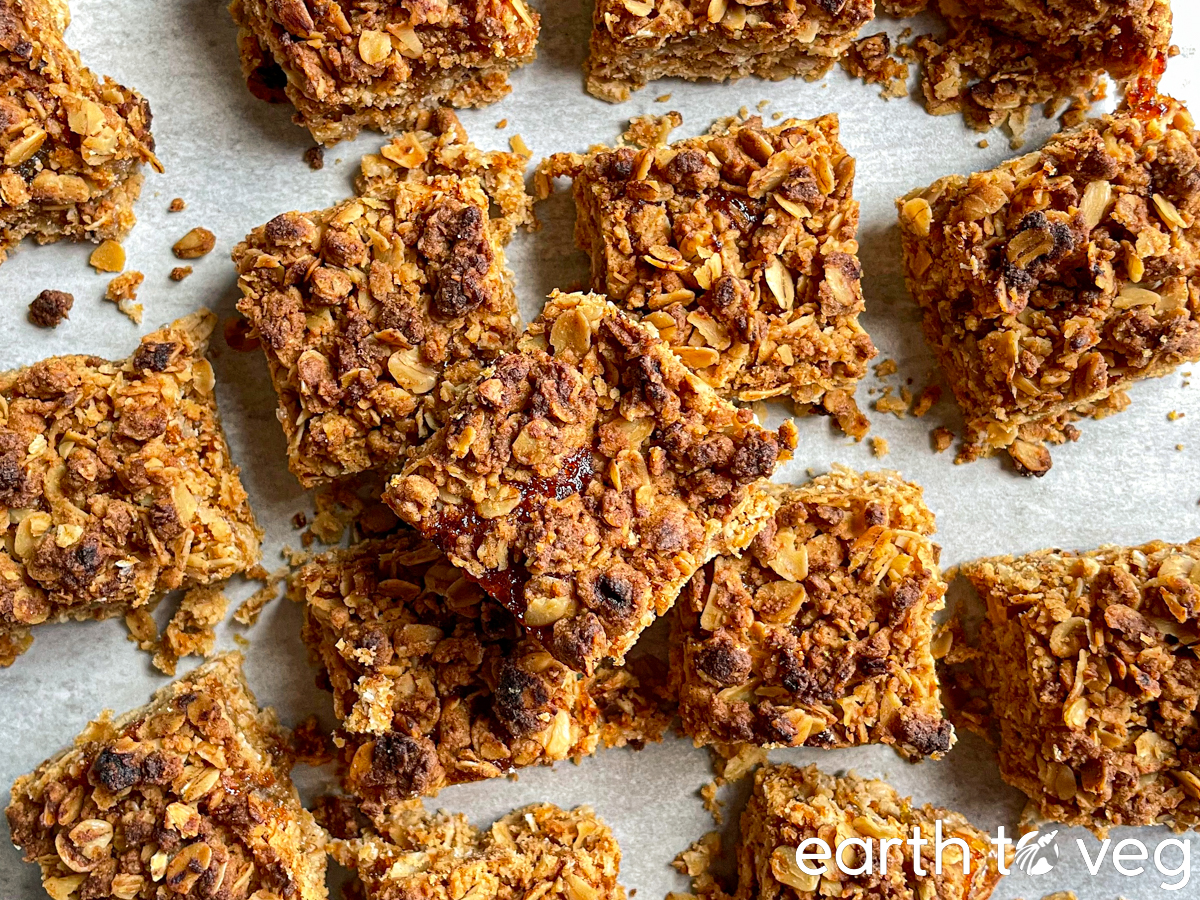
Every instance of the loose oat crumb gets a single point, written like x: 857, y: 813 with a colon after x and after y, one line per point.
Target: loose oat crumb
x: 108, y: 257
x: 697, y: 863
x: 49, y: 308
x: 502, y: 124
x: 1179, y: 447
x: 888, y: 403
x: 942, y: 439
x: 776, y: 116
x: 983, y: 144
x: 763, y: 104
x: 180, y: 272
x: 872, y: 60
x: 191, y: 631
x: 252, y: 607
x: 315, y: 157
x: 123, y: 291
x: 708, y: 793
x: 1175, y: 415
x: 662, y: 98
x: 927, y: 399
x: 177, y: 205
x: 196, y: 243
x: 519, y: 146
x: 299, y: 520
x: 879, y: 446
x: 885, y: 368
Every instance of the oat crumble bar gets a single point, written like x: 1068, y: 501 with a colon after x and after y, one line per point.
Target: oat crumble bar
x: 190, y: 795
x: 72, y: 144
x: 375, y: 314
x: 116, y: 484
x: 434, y: 683
x: 790, y: 805
x: 739, y: 247
x: 539, y: 851
x: 1050, y: 284
x: 1091, y: 669
x: 379, y: 64
x: 819, y: 634
x: 635, y: 42
x: 583, y: 479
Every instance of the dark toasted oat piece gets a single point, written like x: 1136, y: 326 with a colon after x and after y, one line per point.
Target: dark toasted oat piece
x: 379, y: 64
x: 635, y: 42
x: 73, y: 144
x: 386, y: 615
x: 819, y: 634
x: 1050, y: 284
x: 1090, y: 667
x: 116, y: 484
x: 196, y: 243
x: 583, y: 479
x: 50, y: 308
x: 190, y: 794
x: 739, y: 247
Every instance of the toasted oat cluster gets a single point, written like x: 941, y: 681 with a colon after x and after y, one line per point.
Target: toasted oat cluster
x: 791, y: 805
x: 539, y: 851
x: 1050, y: 284
x: 352, y: 64
x: 434, y: 683
x: 116, y: 484
x: 819, y: 634
x: 1094, y: 682
x: 583, y: 479
x: 71, y: 145
x: 635, y: 42
x: 377, y: 313
x: 188, y: 796
x: 1000, y: 58
x: 740, y: 248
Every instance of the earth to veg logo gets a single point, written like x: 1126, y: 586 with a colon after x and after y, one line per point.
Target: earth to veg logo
x: 1037, y: 853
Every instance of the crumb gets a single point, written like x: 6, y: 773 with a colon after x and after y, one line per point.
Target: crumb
x: 299, y: 520
x: 927, y: 399
x: 763, y: 104
x: 180, y: 272
x: 191, y: 631
x: 879, y: 446
x: 252, y: 607
x: 310, y: 743
x: 196, y: 243
x: 983, y: 144
x: 242, y: 641
x: 519, y: 146
x: 177, y: 205
x: 697, y: 863
x: 50, y: 308
x: 122, y: 291
x: 1179, y: 447
x: 503, y: 123
x: 733, y: 762
x: 942, y: 438
x: 871, y: 60
x: 776, y: 116
x: 237, y: 335
x: 662, y: 98
x: 1175, y: 416
x: 890, y: 404
x: 108, y: 257
x: 709, y: 794
x: 315, y: 157
x: 885, y: 368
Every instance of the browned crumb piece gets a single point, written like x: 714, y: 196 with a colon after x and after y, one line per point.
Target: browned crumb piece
x: 315, y: 157
x: 73, y: 144
x: 385, y: 615
x: 122, y: 291
x: 942, y: 439
x: 886, y: 368
x: 502, y: 124
x: 584, y: 478
x: 1052, y: 283
x: 819, y: 634
x: 190, y: 791
x: 929, y: 396
x: 871, y: 59
x: 251, y: 608
x: 108, y: 257
x: 191, y: 631
x: 347, y: 65
x: 791, y: 805
x: 635, y: 42
x: 712, y: 804
x: 311, y: 744
x: 879, y: 447
x: 761, y: 294
x: 117, y: 484
x: 180, y: 272
x: 889, y: 403
x: 177, y: 205
x: 49, y: 308
x: 196, y: 243
x: 1088, y: 660
x: 539, y: 851
x: 697, y: 862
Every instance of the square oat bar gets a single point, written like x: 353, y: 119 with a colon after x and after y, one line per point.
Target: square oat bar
x: 190, y: 795
x: 375, y: 314
x: 790, y: 805
x: 539, y: 851
x: 116, y: 484
x: 434, y: 683
x: 1050, y: 284
x: 635, y: 42
x: 1092, y: 673
x: 73, y: 145
x: 583, y: 479
x: 740, y: 247
x: 379, y: 64
x: 819, y: 634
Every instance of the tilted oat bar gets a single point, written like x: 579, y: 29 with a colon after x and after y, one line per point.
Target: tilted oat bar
x: 116, y: 484
x: 740, y: 248
x: 635, y: 42
x: 72, y: 145
x: 790, y: 805
x: 1050, y: 284
x: 1093, y: 678
x: 539, y: 851
x: 583, y: 479
x: 375, y: 314
x: 190, y: 795
x: 434, y: 683
x: 819, y: 634
x: 379, y: 64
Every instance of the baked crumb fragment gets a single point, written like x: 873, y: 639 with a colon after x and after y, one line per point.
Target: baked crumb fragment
x: 791, y: 805
x: 180, y: 272
x: 739, y: 247
x: 123, y: 291
x: 73, y: 144
x: 584, y: 478
x: 196, y: 243
x: 49, y: 309
x: 379, y: 64
x: 315, y: 157
x: 879, y: 447
x: 177, y: 205
x: 635, y: 42
x: 697, y: 862
x: 251, y: 608
x: 108, y: 257
x: 117, y: 483
x: 818, y: 635
x: 190, y: 794
x: 192, y: 629
x: 1052, y: 283
x: 385, y: 615
x: 942, y: 439
x: 538, y: 851
x: 1087, y: 659
x: 871, y: 59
